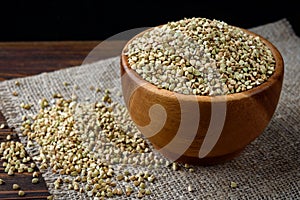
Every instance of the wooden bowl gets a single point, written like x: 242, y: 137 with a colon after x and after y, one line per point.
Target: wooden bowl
x: 201, y: 130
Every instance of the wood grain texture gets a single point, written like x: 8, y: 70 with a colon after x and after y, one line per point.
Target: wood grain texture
x: 21, y: 59
x: 247, y: 114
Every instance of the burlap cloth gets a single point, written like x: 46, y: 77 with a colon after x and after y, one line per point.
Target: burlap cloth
x: 269, y: 168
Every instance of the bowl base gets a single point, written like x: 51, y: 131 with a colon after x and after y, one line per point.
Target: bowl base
x: 207, y: 160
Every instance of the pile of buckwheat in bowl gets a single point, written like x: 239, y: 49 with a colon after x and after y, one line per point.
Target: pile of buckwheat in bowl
x: 201, y: 85
x: 200, y: 56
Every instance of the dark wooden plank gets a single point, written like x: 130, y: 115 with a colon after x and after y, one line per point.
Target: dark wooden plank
x: 21, y: 59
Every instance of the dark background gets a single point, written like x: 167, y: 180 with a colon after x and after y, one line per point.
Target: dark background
x: 98, y: 20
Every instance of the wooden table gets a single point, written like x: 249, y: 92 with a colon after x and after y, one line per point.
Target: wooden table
x: 21, y: 59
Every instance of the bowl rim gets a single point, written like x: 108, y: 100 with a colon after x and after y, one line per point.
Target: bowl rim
x: 275, y: 77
